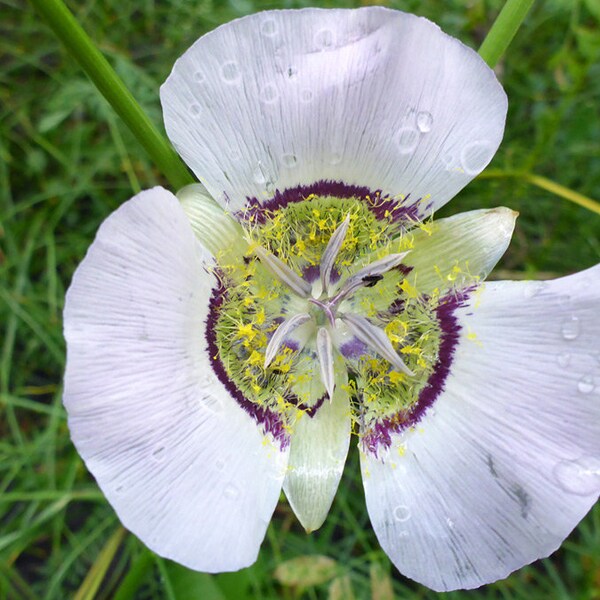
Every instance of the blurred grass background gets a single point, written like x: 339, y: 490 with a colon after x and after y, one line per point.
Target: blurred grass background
x: 66, y: 162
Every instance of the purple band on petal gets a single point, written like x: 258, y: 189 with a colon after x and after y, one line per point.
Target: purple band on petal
x: 270, y: 421
x: 380, y: 434
x: 382, y: 206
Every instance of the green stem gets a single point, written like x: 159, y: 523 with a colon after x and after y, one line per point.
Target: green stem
x: 546, y: 184
x: 503, y: 30
x: 111, y: 86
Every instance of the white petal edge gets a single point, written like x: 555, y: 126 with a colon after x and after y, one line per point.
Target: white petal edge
x: 318, y: 453
x: 185, y: 468
x: 372, y: 97
x: 507, y: 462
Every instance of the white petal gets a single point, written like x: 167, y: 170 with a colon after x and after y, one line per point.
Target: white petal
x: 371, y: 97
x: 186, y: 469
x: 473, y: 242
x: 507, y: 462
x: 317, y: 456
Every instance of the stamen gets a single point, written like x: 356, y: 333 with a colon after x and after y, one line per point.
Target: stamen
x: 331, y: 252
x: 325, y: 354
x: 284, y: 273
x: 364, y: 277
x: 376, y: 338
x: 281, y: 333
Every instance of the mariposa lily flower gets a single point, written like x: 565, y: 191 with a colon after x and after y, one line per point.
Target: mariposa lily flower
x: 219, y: 351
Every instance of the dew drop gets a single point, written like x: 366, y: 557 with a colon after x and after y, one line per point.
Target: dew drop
x: 289, y: 160
x: 570, y: 328
x: 195, y: 110
x: 220, y: 464
x: 533, y: 288
x: 424, y: 122
x: 448, y: 160
x: 292, y: 72
x: 324, y: 38
x: 408, y: 138
x: 211, y: 403
x: 402, y: 513
x: 335, y: 158
x: 306, y: 96
x: 475, y: 156
x: 270, y: 187
x: 260, y: 175
x: 269, y: 94
x: 230, y: 71
x: 268, y: 28
x: 586, y: 384
x: 231, y: 491
x: 199, y: 77
x: 450, y: 522
x: 120, y: 489
x: 159, y: 454
x: 580, y: 477
x: 564, y: 359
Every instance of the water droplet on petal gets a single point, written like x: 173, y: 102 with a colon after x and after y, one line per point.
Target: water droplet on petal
x: 306, y: 96
x: 475, y: 156
x: 570, y: 328
x: 289, y: 160
x: 564, y: 359
x: 269, y: 94
x: 324, y: 38
x: 211, y: 403
x: 231, y: 492
x: 408, y: 138
x: 402, y: 513
x: 119, y: 489
x: 268, y: 28
x: 533, y: 288
x: 292, y: 72
x: 220, y: 463
x: 424, y: 122
x: 195, y: 110
x: 580, y: 477
x: 260, y: 174
x: 199, y: 77
x: 335, y: 158
x: 230, y: 71
x: 586, y: 384
x: 450, y: 522
x: 159, y: 454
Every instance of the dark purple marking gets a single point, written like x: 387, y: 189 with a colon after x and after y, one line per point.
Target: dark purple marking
x: 311, y: 273
x: 311, y: 411
x: 353, y: 349
x: 270, y: 421
x: 378, y: 203
x: 380, y: 434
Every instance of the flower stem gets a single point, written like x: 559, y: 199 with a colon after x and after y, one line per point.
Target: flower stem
x: 548, y: 185
x: 111, y: 86
x: 503, y: 30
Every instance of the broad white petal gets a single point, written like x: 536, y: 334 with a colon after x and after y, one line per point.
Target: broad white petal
x: 186, y: 469
x: 458, y: 250
x: 507, y: 462
x: 318, y: 452
x: 371, y: 97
